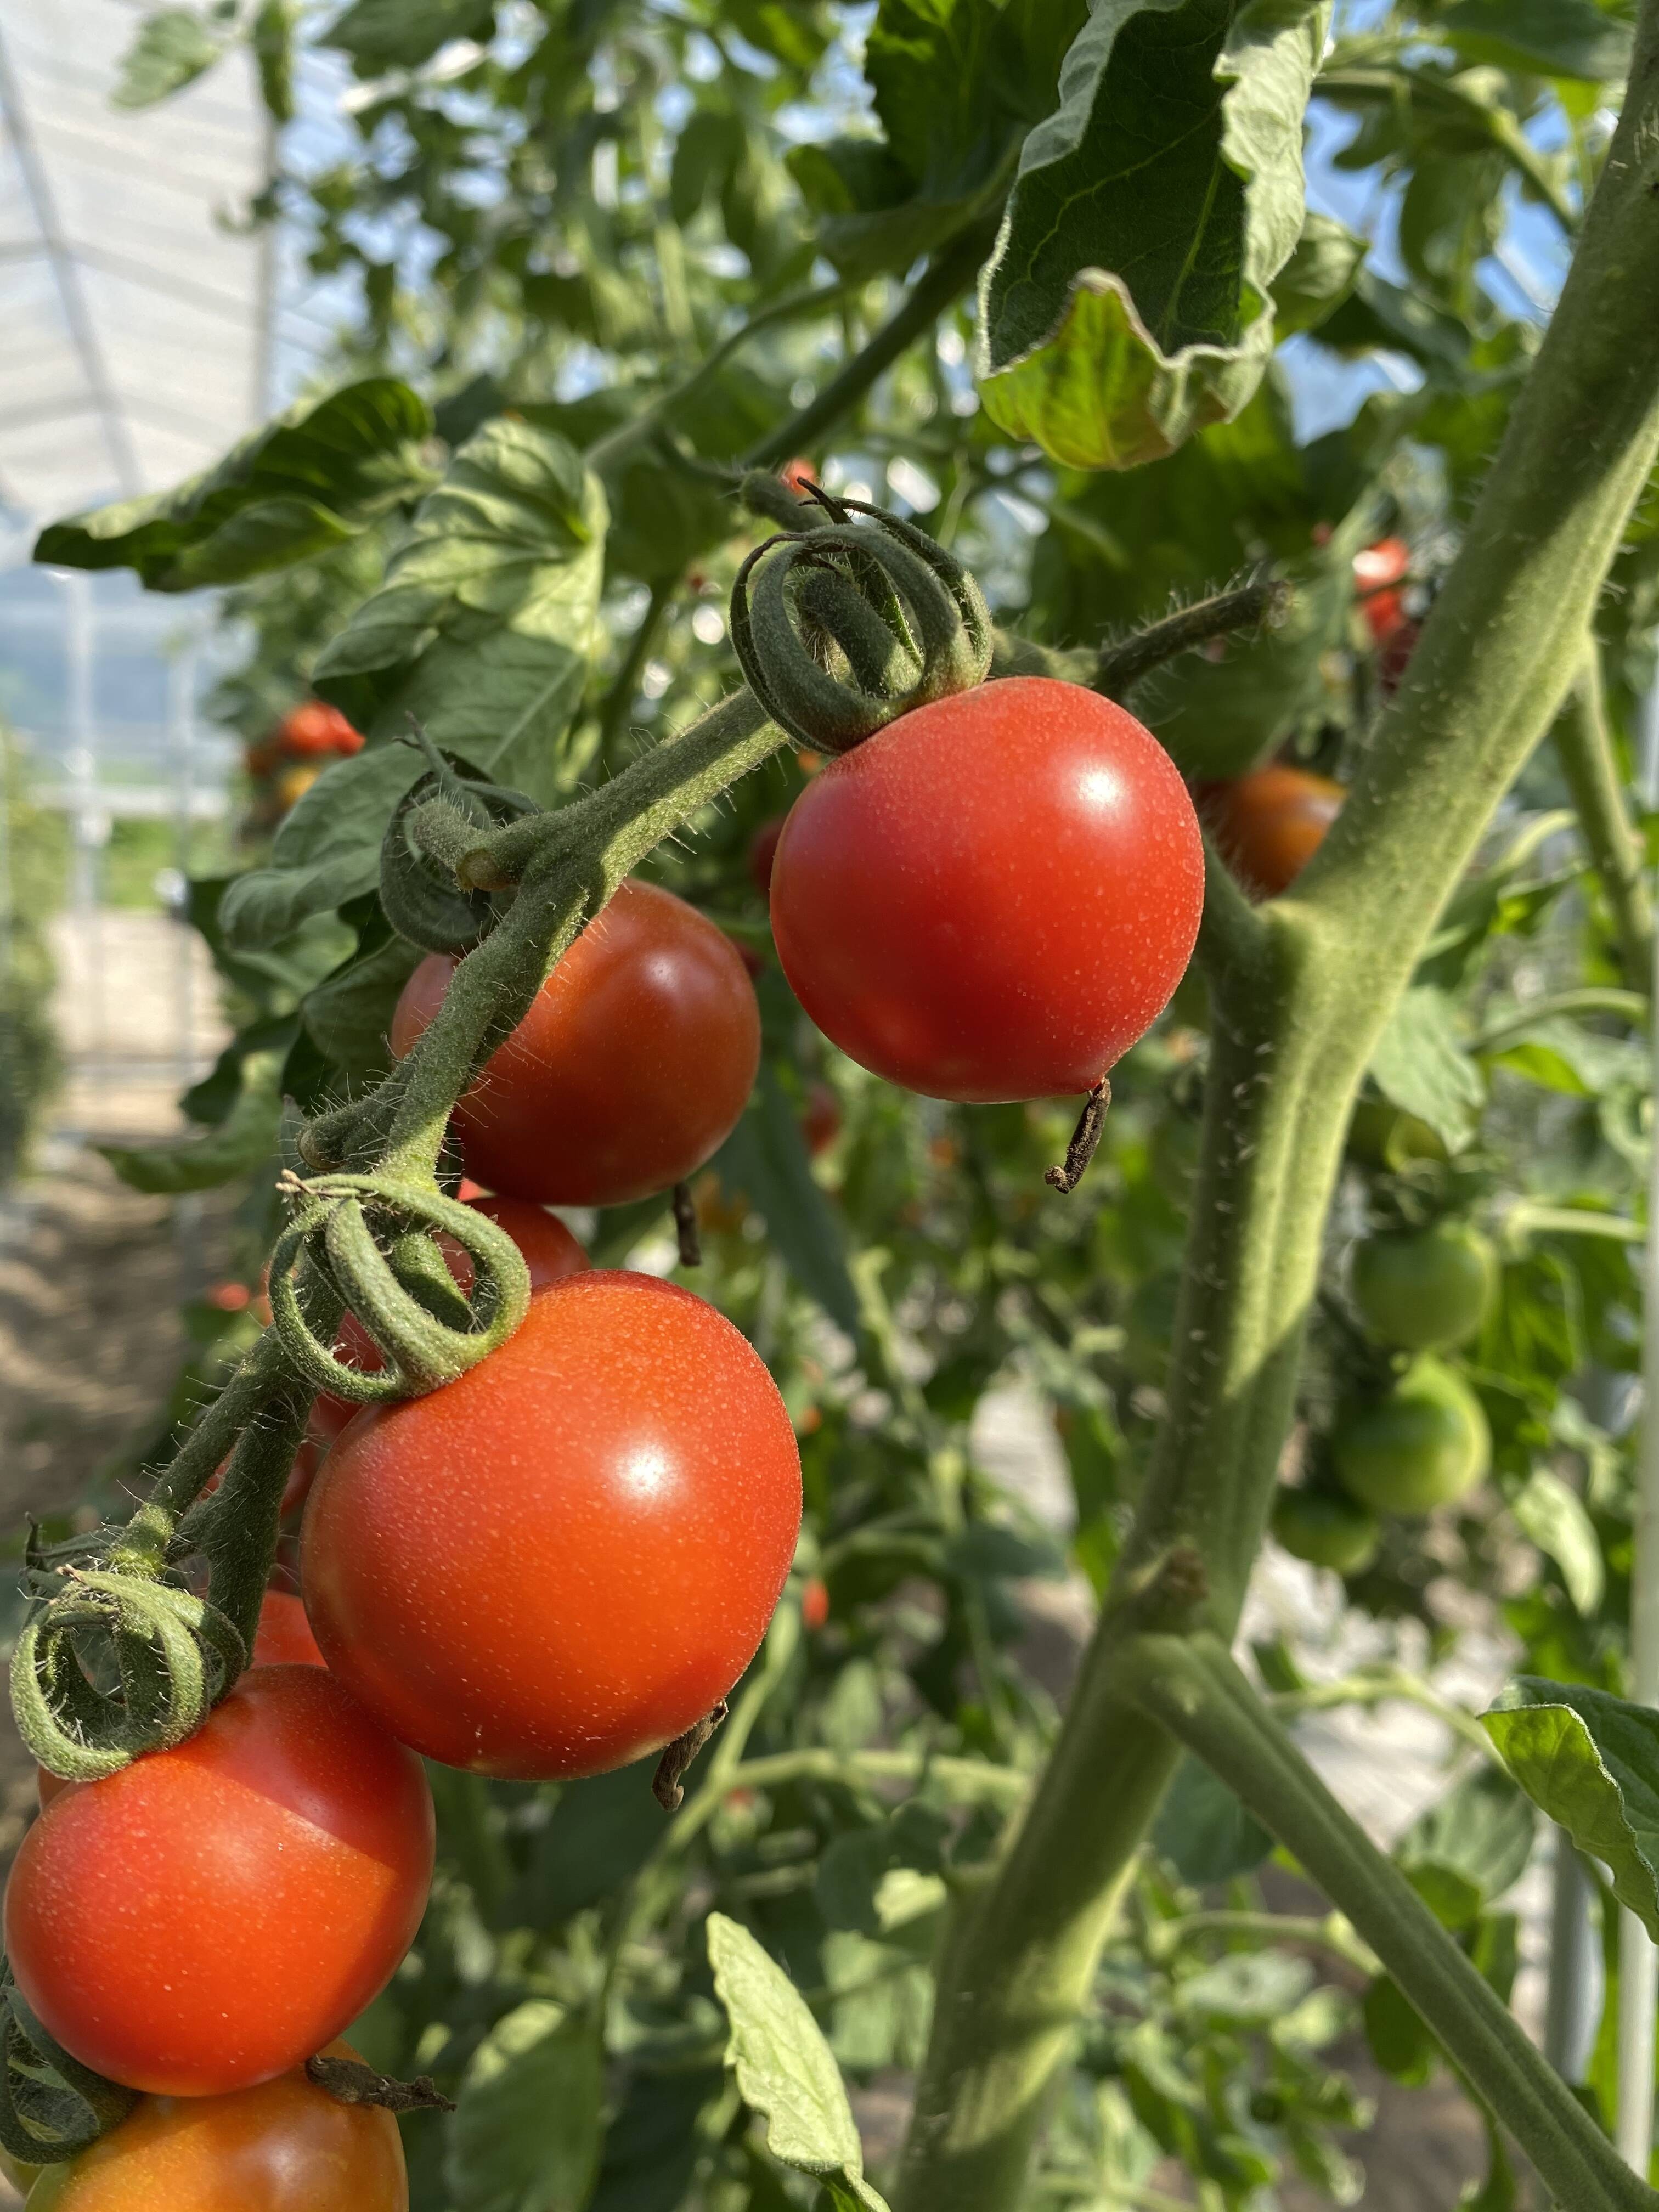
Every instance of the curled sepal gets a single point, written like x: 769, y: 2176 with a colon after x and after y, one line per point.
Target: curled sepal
x: 423, y: 901
x: 52, y: 2108
x: 841, y: 628
x: 166, y: 1655
x: 358, y: 1231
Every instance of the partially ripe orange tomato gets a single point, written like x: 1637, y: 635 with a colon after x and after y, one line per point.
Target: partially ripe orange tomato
x: 1269, y: 825
x: 798, y: 474
x: 315, y: 729
x: 284, y: 2146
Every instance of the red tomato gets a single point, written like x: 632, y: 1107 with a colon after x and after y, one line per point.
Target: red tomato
x: 815, y: 1603
x: 820, y: 1121
x: 629, y: 1069
x: 284, y: 2146
x: 284, y: 1638
x: 798, y: 474
x: 564, y: 1560
x: 313, y: 730
x: 1269, y: 825
x: 762, y: 851
x: 549, y: 1252
x: 995, y: 895
x: 211, y: 1915
x: 228, y: 1297
x: 1388, y: 562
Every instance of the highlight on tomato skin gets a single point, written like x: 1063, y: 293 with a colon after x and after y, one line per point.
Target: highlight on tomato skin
x: 564, y: 1560
x: 1269, y: 824
x: 297, y: 1841
x: 285, y: 2146
x: 629, y: 1069
x: 995, y: 895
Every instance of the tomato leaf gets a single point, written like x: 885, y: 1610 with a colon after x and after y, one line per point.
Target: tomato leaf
x: 785, y: 2070
x: 527, y: 2127
x: 1420, y: 1065
x: 1319, y: 275
x: 1590, y: 1761
x: 1545, y: 38
x: 483, y: 631
x: 246, y: 1138
x: 1205, y: 1833
x: 386, y: 34
x: 1480, y: 1835
x: 170, y: 49
x: 1129, y: 302
x: 348, y: 1014
x: 1553, y: 1515
x: 313, y: 477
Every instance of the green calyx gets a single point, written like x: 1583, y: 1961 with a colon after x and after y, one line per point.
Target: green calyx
x: 166, y: 1655
x: 51, y: 2105
x: 370, y: 1236
x: 841, y: 628
x: 453, y: 809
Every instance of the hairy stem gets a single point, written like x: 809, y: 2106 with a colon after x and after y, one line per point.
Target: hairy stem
x: 1122, y: 666
x: 1583, y: 746
x: 1194, y: 1687
x: 1300, y: 991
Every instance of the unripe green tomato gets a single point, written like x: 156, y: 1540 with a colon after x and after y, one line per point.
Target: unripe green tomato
x: 1423, y: 1289
x: 1326, y: 1531
x: 1383, y: 1136
x: 1425, y: 1444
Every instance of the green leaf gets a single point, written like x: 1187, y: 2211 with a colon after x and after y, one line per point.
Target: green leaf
x: 348, y: 1014
x: 1205, y: 1833
x: 243, y: 1140
x: 1481, y: 1833
x: 528, y: 2124
x: 1548, y: 37
x: 1552, y: 1515
x: 1420, y: 1066
x: 385, y: 35
x: 1129, y: 300
x: 316, y: 475
x: 1319, y: 275
x: 483, y: 631
x: 170, y: 49
x: 785, y: 2070
x: 1400, y: 2044
x: 1250, y: 1987
x: 765, y: 1159
x: 1590, y: 1761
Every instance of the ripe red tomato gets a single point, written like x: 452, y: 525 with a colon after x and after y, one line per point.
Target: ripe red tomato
x: 798, y: 473
x: 550, y: 1252
x: 564, y: 1560
x: 211, y: 1915
x: 629, y: 1069
x: 820, y: 1121
x: 815, y: 1604
x: 284, y: 2146
x: 1269, y: 825
x: 1387, y: 563
x: 995, y: 895
x: 284, y: 1638
x: 313, y: 730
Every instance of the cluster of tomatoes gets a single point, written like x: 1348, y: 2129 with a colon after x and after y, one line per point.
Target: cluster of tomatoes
x: 1419, y: 1438
x: 282, y: 767
x: 562, y: 1562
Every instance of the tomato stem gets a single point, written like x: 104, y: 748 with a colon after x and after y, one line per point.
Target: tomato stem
x: 685, y: 1227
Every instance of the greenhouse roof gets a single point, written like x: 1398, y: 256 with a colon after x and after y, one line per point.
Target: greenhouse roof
x: 133, y: 316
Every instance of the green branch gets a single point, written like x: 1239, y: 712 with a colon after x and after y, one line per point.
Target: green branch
x: 1583, y: 746
x: 1192, y: 1686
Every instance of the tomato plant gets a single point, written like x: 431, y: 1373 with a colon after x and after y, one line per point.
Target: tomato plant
x: 285, y: 2146
x: 297, y: 1842
x: 1305, y: 476
x: 630, y: 1068
x: 1014, y: 942
x: 612, y: 1584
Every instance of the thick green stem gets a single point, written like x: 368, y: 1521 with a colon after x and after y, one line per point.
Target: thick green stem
x: 1192, y: 1686
x: 946, y: 278
x: 1583, y: 746
x: 1301, y: 989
